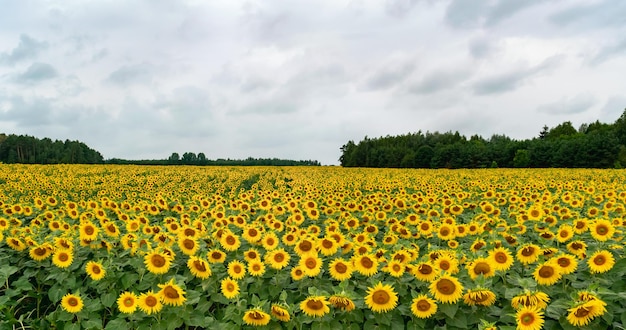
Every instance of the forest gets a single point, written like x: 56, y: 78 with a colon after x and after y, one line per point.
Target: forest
x: 24, y: 149
x: 593, y: 145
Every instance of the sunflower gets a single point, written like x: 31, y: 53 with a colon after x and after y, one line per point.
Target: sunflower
x: 342, y: 302
x: 479, y: 296
x: 149, y: 302
x: 40, y: 252
x: 171, y: 293
x: 280, y: 312
x: 423, y: 306
x: 277, y: 259
x: 256, y: 317
x: 501, y: 258
x: 62, y: 258
x: 528, y: 253
x: 481, y: 266
x: 565, y: 233
x: 230, y: 288
x: 584, y: 312
x: 446, y: 232
x: 230, y: 241
x: 366, y: 264
x: 340, y: 269
x: 381, y: 298
x: 311, y: 264
x: 328, y: 246
x: 601, y: 262
x: 578, y: 248
x: 251, y: 254
x: 447, y: 263
x: 531, y: 299
x: 425, y: 271
x: 270, y: 241
x: 529, y: 318
x: 16, y: 244
x: 188, y: 245
x: 297, y: 273
x: 216, y: 256
x: 446, y: 289
x: 315, y: 306
x: 199, y: 267
x: 394, y: 268
x: 252, y: 234
x: 547, y: 273
x: 477, y: 245
x: 256, y: 268
x: 127, y: 302
x: 567, y: 263
x: 236, y: 269
x: 157, y: 262
x: 601, y: 230
x: 72, y: 303
x: 88, y: 231
x: 304, y: 246
x: 95, y: 270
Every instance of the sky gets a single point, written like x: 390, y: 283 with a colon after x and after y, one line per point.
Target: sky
x: 297, y: 79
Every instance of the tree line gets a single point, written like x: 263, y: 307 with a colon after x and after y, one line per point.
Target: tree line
x: 26, y: 149
x: 190, y: 158
x: 593, y: 145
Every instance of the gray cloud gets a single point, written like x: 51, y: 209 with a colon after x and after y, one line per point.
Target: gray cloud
x: 576, y: 104
x: 439, y: 80
x: 36, y: 72
x: 601, y: 14
x: 608, y: 52
x: 33, y: 112
x: 389, y: 75
x: 509, y: 81
x: 471, y: 14
x: 613, y: 108
x: 399, y: 8
x: 131, y: 74
x: 481, y: 48
x: 28, y: 48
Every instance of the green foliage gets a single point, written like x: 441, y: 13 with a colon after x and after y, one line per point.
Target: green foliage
x: 594, y: 145
x: 26, y: 149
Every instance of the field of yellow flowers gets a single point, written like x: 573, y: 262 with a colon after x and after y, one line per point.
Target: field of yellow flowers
x: 132, y: 247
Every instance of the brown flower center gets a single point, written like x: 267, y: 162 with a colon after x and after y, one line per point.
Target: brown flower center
x: 381, y: 297
x: 315, y: 305
x: 199, y: 265
x: 72, y: 302
x: 528, y: 251
x: 599, y: 260
x: 157, y: 261
x: 546, y: 271
x: 423, y: 305
x: 366, y: 262
x: 445, y: 286
x: 171, y: 292
x: 482, y: 268
x: 151, y: 301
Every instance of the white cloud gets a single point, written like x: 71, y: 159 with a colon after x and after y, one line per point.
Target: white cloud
x: 299, y: 79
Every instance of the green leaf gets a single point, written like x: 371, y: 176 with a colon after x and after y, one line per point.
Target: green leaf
x: 65, y: 316
x: 128, y: 279
x: 108, y: 299
x: 71, y: 326
x: 459, y: 321
x: 449, y: 309
x: 117, y: 324
x: 92, y: 323
x: 6, y: 271
x: 56, y: 292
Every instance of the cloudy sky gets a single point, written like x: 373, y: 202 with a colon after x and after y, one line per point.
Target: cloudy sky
x: 296, y: 79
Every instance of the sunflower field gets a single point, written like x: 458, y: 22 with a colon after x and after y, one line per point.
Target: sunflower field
x: 148, y: 247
